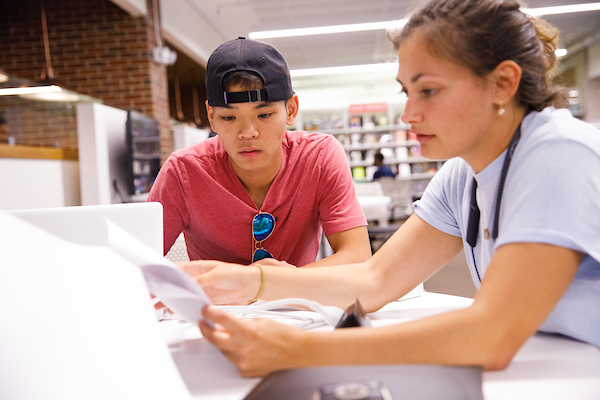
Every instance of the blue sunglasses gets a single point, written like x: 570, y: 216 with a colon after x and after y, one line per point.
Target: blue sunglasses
x: 263, y: 225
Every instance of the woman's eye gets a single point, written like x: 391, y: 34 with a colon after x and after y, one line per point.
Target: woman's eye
x: 225, y: 118
x: 429, y: 92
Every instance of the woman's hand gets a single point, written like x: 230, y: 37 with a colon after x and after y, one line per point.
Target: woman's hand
x: 225, y: 283
x: 257, y: 347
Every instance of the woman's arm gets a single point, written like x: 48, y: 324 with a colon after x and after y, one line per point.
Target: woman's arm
x: 406, y: 260
x: 521, y: 287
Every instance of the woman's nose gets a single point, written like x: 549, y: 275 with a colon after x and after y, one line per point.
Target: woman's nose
x: 411, y: 115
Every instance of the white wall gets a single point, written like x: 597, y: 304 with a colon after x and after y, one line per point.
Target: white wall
x: 136, y: 8
x: 592, y: 83
x: 102, y: 153
x: 40, y: 183
x: 189, y: 30
x: 29, y: 183
x: 186, y: 136
x: 593, y: 61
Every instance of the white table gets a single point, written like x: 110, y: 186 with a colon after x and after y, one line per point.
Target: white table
x: 376, y: 208
x: 547, y: 367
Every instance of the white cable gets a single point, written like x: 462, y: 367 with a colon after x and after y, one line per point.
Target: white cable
x: 276, y: 309
x: 331, y: 314
x: 298, y: 321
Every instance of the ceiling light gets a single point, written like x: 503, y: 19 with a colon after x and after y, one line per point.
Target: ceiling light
x: 319, y: 30
x: 562, y: 9
x: 30, y: 90
x: 365, y: 68
x: 560, y: 52
x: 62, y: 96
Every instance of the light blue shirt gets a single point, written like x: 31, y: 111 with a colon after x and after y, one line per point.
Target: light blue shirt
x: 551, y: 195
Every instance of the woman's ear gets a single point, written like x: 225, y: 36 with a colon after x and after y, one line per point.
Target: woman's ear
x: 507, y: 77
x: 292, y: 108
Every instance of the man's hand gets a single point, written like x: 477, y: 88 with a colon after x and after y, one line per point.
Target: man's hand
x: 225, y: 283
x: 274, y: 262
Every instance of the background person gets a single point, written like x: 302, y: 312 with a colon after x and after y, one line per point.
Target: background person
x: 489, y: 104
x: 382, y: 169
x: 3, y: 130
x: 257, y: 190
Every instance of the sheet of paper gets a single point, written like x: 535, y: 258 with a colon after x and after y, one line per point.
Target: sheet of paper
x: 77, y: 323
x: 176, y: 289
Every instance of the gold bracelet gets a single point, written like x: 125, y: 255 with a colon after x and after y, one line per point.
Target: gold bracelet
x: 262, y: 283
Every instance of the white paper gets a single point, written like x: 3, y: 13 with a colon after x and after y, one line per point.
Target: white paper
x: 77, y: 323
x: 175, y: 289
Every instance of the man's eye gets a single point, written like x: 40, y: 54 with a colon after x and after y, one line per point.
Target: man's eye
x: 266, y: 115
x: 224, y: 118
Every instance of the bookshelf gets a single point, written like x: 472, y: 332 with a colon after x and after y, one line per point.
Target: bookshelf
x: 364, y: 130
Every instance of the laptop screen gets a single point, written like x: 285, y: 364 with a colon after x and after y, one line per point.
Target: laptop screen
x: 85, y: 224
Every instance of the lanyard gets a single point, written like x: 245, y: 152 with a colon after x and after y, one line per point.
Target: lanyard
x: 474, y: 212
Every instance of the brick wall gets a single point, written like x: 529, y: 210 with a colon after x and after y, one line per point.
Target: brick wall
x: 96, y: 49
x: 37, y: 123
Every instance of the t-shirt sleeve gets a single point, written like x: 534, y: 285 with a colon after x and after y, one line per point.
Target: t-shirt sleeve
x: 440, y: 205
x: 339, y: 209
x: 551, y: 200
x: 168, y: 190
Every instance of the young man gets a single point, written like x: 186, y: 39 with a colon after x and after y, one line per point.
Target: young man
x: 257, y: 191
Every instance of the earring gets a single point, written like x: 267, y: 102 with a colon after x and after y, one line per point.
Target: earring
x: 501, y: 110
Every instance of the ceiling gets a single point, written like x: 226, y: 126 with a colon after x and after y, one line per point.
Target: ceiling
x: 228, y: 19
x: 233, y: 18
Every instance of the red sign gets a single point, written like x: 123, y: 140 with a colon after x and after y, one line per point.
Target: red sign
x: 368, y: 108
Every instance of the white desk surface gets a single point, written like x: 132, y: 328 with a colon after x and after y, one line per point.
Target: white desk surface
x: 547, y: 367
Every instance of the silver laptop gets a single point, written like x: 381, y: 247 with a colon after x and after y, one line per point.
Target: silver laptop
x: 382, y: 382
x: 84, y: 224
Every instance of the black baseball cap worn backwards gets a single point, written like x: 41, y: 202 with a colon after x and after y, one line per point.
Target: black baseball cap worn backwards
x: 243, y: 54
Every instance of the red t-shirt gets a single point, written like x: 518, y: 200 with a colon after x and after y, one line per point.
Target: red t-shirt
x: 203, y: 197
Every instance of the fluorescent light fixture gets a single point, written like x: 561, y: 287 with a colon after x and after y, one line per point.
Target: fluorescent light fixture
x: 29, y: 90
x: 62, y: 96
x: 320, y: 30
x: 562, y: 9
x: 346, y: 69
x: 41, y: 93
x: 560, y: 52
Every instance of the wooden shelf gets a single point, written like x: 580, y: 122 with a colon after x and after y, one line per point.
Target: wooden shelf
x: 391, y: 161
x: 374, y: 138
x: 376, y: 146
x: 374, y: 129
x: 34, y: 152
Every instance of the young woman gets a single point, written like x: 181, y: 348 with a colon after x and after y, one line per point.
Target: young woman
x: 520, y: 193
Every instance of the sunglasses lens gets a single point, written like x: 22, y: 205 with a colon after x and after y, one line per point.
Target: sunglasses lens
x: 261, y: 254
x: 262, y: 226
